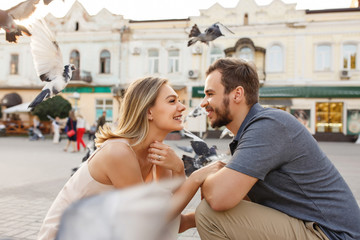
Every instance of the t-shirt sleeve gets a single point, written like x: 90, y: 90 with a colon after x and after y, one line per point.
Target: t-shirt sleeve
x: 264, y: 146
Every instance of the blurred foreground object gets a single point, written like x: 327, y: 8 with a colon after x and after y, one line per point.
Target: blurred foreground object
x: 135, y: 213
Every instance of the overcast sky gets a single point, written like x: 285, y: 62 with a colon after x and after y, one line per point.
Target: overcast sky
x: 164, y: 9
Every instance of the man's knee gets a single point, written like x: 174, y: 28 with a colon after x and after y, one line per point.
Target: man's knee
x: 202, y: 212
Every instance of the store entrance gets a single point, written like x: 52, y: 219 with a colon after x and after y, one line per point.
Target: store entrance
x: 329, y: 117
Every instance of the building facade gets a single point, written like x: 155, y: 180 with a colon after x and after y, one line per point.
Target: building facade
x: 307, y: 61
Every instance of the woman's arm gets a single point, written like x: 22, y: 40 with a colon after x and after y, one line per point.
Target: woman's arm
x: 187, y: 190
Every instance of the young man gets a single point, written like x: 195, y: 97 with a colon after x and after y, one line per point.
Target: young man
x: 278, y: 184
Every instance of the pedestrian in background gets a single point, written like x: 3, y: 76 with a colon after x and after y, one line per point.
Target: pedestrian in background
x: 71, y: 128
x: 80, y: 130
x: 56, y: 129
x: 101, y: 121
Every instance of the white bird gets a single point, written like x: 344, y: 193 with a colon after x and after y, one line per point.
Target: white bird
x: 134, y: 213
x: 226, y: 132
x: 48, y: 62
x: 196, y: 112
x: 19, y: 12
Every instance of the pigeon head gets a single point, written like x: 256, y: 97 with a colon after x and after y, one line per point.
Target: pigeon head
x: 68, y: 69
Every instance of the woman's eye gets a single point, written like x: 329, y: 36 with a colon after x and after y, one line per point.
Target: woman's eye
x: 172, y: 101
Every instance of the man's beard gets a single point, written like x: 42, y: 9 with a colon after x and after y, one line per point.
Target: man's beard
x: 222, y: 117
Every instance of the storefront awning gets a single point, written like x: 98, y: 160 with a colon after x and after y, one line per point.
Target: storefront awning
x: 297, y: 92
x: 11, y: 99
x: 310, y: 92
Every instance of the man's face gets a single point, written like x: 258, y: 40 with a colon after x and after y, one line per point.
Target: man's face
x: 215, y: 102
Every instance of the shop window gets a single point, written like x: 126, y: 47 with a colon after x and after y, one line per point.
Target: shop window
x: 105, y: 61
x: 329, y: 117
x: 14, y: 64
x: 104, y: 105
x: 275, y: 59
x: 323, y: 58
x: 75, y: 59
x: 153, y: 55
x: 349, y: 56
x: 173, y: 64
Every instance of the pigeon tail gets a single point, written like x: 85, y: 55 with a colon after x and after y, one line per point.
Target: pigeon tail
x: 39, y: 98
x: 192, y: 41
x: 12, y: 36
x: 24, y: 30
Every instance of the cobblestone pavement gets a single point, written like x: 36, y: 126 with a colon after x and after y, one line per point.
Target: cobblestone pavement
x: 33, y: 172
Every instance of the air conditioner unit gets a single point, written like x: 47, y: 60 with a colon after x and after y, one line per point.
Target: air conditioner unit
x: 197, y: 50
x: 193, y: 74
x: 344, y: 74
x: 136, y: 51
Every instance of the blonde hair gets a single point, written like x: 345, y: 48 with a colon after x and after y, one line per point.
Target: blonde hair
x: 133, y: 122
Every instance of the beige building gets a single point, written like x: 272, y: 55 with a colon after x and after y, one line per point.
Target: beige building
x: 308, y: 61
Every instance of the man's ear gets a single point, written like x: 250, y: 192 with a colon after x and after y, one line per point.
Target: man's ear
x: 239, y: 94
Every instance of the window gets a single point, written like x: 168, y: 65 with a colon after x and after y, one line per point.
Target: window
x: 215, y: 54
x: 75, y: 59
x: 105, y: 61
x: 104, y: 105
x: 275, y: 59
x: 323, y: 58
x: 349, y: 56
x: 153, y: 61
x: 246, y: 53
x: 246, y: 19
x: 173, y: 61
x: 14, y: 64
x: 329, y: 117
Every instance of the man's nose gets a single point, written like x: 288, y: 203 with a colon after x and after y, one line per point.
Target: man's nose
x: 204, y: 103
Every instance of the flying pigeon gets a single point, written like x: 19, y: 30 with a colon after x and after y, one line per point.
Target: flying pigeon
x: 196, y: 112
x: 226, y: 132
x: 211, y: 33
x: 48, y: 62
x: 19, y: 12
x: 134, y: 213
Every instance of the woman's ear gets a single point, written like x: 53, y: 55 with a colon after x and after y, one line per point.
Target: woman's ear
x: 238, y: 94
x: 150, y: 117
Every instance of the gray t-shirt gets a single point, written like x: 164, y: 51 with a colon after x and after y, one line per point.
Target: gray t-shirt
x: 295, y: 176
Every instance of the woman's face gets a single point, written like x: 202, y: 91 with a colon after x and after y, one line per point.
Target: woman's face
x: 166, y: 114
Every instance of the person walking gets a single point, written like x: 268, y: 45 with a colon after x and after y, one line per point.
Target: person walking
x: 80, y: 131
x: 56, y: 129
x: 71, y: 131
x: 134, y: 153
x: 101, y: 121
x: 278, y: 184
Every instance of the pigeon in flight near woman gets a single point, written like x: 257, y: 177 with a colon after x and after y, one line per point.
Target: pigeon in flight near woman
x: 21, y: 11
x: 48, y: 62
x: 211, y: 33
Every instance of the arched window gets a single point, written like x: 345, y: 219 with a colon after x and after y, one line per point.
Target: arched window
x: 246, y: 19
x: 75, y: 59
x: 275, y: 59
x: 153, y: 55
x: 105, y: 61
x: 246, y: 53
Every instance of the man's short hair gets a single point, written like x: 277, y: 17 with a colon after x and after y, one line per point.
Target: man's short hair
x: 236, y: 72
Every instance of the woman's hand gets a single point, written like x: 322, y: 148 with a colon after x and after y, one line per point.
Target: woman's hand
x: 164, y: 156
x: 201, y: 174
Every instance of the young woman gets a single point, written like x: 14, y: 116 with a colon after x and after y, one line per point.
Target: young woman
x: 80, y: 131
x: 133, y: 153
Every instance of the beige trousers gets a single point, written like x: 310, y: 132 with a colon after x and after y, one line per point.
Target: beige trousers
x: 249, y: 220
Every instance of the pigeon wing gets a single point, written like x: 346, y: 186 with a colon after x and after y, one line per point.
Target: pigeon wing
x: 191, y: 135
x: 45, y: 51
x: 200, y: 148
x: 223, y: 28
x: 23, y: 10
